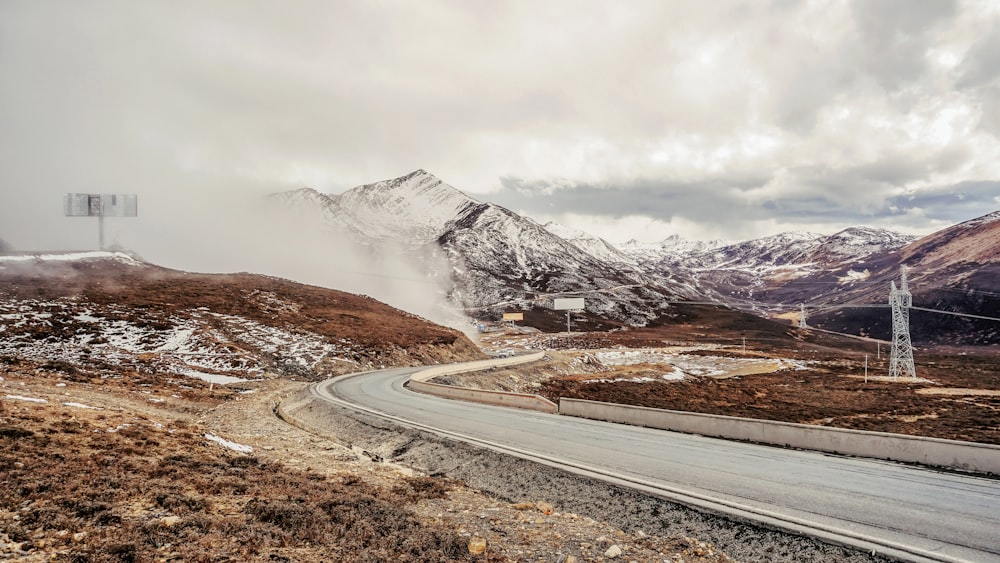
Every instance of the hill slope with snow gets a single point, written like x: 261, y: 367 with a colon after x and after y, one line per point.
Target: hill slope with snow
x: 100, y: 310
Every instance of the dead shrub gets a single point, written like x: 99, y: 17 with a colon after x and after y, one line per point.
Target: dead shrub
x: 414, y: 489
x: 296, y: 518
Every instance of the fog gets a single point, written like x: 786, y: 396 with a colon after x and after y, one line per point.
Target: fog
x: 228, y: 228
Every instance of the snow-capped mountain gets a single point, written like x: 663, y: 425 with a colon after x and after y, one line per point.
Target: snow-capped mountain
x: 674, y: 245
x: 414, y: 208
x: 501, y: 260
x: 595, y: 246
x: 956, y: 269
x: 801, y: 250
x: 498, y: 258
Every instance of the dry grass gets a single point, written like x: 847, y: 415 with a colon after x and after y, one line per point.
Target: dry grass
x: 145, y: 492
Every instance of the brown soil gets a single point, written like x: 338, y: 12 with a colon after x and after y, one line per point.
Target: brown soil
x: 116, y: 465
x: 153, y: 298
x: 98, y: 472
x: 149, y: 288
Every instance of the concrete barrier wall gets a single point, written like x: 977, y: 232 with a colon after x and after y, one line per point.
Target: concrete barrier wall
x: 419, y: 382
x: 968, y: 456
x: 519, y: 400
x: 478, y: 365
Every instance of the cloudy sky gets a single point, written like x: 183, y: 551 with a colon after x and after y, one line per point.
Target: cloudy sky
x: 629, y: 119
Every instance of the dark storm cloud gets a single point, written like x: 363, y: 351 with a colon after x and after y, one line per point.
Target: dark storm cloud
x: 951, y: 204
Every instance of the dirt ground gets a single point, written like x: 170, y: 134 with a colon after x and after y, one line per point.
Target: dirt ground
x: 116, y: 470
x: 955, y: 397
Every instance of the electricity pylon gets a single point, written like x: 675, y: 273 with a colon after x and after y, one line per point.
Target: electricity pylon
x: 802, y: 316
x: 901, y: 355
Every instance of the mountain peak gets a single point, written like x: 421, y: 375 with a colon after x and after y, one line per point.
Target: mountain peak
x: 416, y: 206
x: 417, y: 174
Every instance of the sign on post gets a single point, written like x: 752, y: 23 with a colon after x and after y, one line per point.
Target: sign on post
x: 101, y: 206
x: 568, y: 304
x: 513, y: 316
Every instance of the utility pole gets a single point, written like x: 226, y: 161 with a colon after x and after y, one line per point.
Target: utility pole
x: 901, y: 354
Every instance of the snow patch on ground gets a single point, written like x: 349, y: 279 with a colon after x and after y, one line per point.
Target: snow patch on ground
x: 70, y: 257
x: 28, y: 399
x: 81, y: 406
x: 230, y: 445
x: 217, y: 348
x: 215, y: 378
x: 853, y: 276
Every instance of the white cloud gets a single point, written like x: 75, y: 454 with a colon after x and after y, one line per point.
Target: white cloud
x: 710, y: 117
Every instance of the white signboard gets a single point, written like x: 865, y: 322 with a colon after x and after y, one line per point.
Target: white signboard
x: 569, y: 304
x: 101, y: 205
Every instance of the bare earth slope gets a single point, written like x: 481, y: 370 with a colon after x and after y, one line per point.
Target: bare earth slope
x: 136, y: 424
x: 103, y: 311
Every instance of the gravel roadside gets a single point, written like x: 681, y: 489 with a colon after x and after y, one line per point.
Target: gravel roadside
x: 636, y: 519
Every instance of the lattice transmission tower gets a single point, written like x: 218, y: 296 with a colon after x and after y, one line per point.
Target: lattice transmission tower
x: 901, y: 355
x: 802, y: 316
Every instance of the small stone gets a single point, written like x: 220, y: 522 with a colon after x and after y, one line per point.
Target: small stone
x: 477, y: 545
x: 613, y: 552
x: 169, y: 521
x: 79, y: 536
x: 523, y: 506
x: 545, y: 508
x: 640, y: 534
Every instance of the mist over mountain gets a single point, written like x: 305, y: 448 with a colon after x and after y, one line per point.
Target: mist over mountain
x: 496, y: 259
x: 487, y: 259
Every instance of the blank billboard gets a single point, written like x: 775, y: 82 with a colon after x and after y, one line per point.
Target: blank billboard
x: 101, y: 205
x: 569, y: 304
x: 513, y: 316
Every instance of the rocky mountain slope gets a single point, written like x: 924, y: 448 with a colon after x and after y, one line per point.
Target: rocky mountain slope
x: 100, y: 311
x: 956, y: 269
x: 498, y: 259
x: 742, y: 270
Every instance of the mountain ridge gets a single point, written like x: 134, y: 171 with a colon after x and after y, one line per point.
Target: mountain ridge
x: 500, y: 259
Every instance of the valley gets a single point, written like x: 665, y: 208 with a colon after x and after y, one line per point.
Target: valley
x: 130, y: 373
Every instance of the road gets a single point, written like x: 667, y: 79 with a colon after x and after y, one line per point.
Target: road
x: 907, y: 512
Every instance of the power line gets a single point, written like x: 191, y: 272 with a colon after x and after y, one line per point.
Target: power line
x: 956, y: 314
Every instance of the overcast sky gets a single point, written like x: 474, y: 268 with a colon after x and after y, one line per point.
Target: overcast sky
x: 629, y: 119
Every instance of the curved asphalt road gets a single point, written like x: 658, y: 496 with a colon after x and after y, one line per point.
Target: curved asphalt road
x: 903, y: 511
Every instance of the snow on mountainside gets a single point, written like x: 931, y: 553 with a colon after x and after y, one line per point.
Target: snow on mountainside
x: 595, y: 246
x: 501, y: 257
x: 956, y: 269
x: 99, y: 311
x: 674, y: 245
x: 413, y: 207
x: 501, y: 260
x: 794, y: 253
x: 497, y: 256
